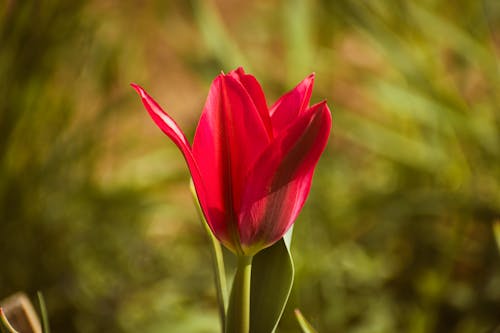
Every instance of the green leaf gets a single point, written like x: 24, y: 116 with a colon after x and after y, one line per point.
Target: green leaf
x: 5, y: 326
x: 304, y: 324
x: 217, y: 262
x: 272, y: 278
x: 43, y: 312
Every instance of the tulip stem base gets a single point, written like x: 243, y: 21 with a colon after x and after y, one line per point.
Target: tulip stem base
x: 238, y: 312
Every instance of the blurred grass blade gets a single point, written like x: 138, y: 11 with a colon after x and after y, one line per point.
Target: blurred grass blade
x: 298, y: 39
x: 272, y: 278
x: 469, y: 46
x: 390, y: 143
x: 5, y: 326
x: 217, y: 263
x: 496, y: 232
x: 43, y: 312
x: 304, y: 324
x: 216, y: 36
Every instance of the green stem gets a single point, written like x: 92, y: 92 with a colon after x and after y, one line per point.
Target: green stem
x: 217, y: 262
x: 220, y: 278
x: 238, y: 313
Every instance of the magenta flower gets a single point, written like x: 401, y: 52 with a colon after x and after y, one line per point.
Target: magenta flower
x: 251, y: 166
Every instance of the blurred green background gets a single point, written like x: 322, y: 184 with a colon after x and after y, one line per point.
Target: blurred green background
x: 396, y: 235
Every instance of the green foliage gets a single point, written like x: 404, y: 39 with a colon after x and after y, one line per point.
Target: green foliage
x: 272, y: 278
x: 397, y: 233
x: 43, y: 313
x: 304, y: 324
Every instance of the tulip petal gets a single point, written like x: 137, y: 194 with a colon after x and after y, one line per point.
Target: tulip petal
x: 290, y: 105
x: 163, y: 120
x: 254, y: 89
x: 228, y: 139
x: 172, y: 130
x: 279, y: 182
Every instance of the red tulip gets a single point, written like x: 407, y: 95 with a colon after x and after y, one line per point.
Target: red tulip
x: 251, y: 166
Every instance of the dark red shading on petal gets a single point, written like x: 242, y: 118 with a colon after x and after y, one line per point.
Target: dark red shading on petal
x: 290, y: 105
x: 278, y: 186
x: 228, y: 139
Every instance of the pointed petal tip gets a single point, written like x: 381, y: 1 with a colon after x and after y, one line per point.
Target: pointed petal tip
x: 139, y: 89
x: 307, y: 83
x: 327, y: 108
x: 323, y: 107
x: 310, y: 77
x: 238, y: 70
x: 322, y: 110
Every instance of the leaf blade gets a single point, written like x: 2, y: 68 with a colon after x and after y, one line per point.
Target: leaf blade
x: 272, y: 279
x: 43, y: 312
x: 304, y: 324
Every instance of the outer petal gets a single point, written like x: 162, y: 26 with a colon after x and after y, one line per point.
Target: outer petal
x: 229, y: 138
x: 254, y: 89
x: 280, y: 180
x: 290, y: 105
x: 172, y: 130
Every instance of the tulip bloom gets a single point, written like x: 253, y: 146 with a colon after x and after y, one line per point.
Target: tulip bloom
x: 251, y: 165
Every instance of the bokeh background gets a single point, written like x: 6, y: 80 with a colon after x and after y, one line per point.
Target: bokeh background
x: 397, y: 233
